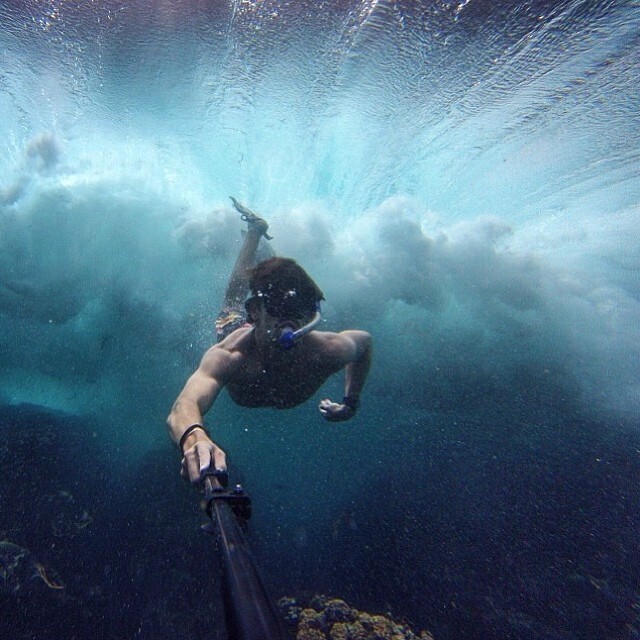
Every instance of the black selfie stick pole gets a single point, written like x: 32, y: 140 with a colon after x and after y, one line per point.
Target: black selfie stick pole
x: 249, y: 610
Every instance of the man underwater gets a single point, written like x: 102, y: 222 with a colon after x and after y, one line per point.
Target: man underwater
x: 268, y: 353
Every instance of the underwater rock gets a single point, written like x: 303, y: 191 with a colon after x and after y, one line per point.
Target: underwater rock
x: 19, y: 571
x: 333, y: 619
x: 338, y: 611
x: 289, y: 609
x: 16, y: 567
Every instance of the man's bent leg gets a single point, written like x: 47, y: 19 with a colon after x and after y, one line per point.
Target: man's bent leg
x: 233, y: 316
x: 239, y: 281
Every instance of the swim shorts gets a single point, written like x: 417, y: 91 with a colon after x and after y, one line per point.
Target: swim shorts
x: 229, y: 319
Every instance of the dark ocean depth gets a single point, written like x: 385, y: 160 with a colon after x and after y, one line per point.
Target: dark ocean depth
x: 506, y: 529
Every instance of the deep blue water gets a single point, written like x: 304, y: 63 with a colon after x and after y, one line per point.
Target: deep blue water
x: 461, y: 178
x: 491, y: 530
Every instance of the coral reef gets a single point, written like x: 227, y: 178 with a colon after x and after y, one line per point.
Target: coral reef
x: 333, y: 619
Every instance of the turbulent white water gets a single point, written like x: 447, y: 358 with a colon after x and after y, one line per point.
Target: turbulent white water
x: 460, y: 178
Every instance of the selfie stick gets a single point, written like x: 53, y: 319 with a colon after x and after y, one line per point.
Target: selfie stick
x: 249, y: 611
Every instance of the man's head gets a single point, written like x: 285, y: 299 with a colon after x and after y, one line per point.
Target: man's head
x: 285, y: 289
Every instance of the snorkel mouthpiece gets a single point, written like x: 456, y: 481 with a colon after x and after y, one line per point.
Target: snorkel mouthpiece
x: 289, y: 337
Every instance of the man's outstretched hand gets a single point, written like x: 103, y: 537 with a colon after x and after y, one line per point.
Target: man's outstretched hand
x: 334, y: 411
x: 200, y: 456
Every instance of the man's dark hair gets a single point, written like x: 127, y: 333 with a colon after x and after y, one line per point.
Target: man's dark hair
x: 277, y: 277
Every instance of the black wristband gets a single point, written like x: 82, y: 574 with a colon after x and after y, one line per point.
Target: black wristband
x: 188, y: 432
x: 353, y: 402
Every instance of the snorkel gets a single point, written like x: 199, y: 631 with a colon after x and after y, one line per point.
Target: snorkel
x: 288, y: 337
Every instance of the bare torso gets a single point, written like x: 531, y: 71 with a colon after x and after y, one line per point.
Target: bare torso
x: 281, y: 379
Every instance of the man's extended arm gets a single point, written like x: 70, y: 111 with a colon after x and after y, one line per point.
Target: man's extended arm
x: 185, y: 420
x: 356, y: 347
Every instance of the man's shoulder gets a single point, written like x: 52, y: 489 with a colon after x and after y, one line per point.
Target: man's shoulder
x: 342, y: 337
x: 238, y: 340
x: 336, y: 345
x: 234, y: 347
x: 326, y: 339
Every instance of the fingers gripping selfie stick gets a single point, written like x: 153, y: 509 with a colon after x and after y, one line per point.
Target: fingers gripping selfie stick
x: 249, y: 611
